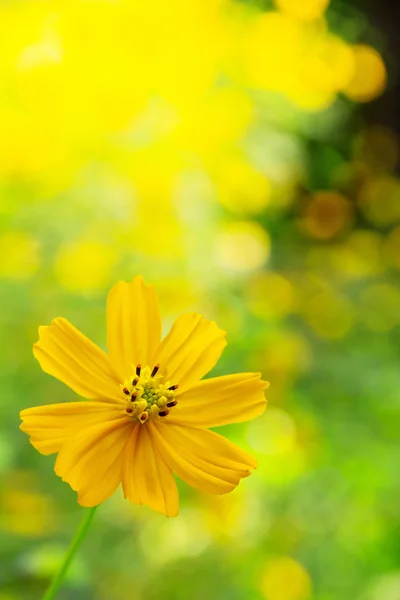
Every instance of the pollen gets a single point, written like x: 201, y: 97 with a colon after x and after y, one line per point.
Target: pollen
x: 147, y: 394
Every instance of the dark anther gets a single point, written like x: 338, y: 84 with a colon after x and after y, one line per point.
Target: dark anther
x: 138, y: 369
x: 174, y: 387
x: 129, y: 410
x: 134, y: 382
x: 126, y: 391
x: 163, y: 413
x: 134, y: 396
x: 172, y: 403
x: 154, y: 371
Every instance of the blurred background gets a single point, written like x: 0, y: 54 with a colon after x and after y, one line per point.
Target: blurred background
x: 243, y: 157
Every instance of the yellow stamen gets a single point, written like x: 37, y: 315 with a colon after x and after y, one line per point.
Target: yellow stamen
x: 144, y: 416
x: 149, y: 395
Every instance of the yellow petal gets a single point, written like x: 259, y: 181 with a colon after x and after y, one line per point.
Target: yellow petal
x: 133, y: 325
x: 146, y: 478
x: 68, y: 355
x: 190, y: 350
x: 202, y: 458
x: 49, y: 427
x: 221, y: 400
x: 91, y: 462
x: 130, y: 466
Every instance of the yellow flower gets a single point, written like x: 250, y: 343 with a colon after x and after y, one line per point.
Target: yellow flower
x: 147, y: 411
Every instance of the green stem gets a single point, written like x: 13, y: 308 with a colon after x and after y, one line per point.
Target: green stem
x: 69, y: 555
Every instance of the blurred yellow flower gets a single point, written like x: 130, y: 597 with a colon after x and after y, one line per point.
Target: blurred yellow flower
x: 19, y: 255
x: 379, y: 200
x: 274, y: 433
x: 359, y: 257
x: 27, y: 513
x: 370, y: 76
x: 243, y: 246
x: 148, y: 412
x: 326, y: 215
x: 85, y: 84
x: 306, y: 10
x: 84, y: 266
x: 285, y: 579
x: 241, y: 188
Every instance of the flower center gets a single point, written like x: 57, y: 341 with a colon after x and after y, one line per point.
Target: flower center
x: 147, y: 394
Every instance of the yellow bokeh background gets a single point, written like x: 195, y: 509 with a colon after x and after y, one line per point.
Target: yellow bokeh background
x: 239, y: 156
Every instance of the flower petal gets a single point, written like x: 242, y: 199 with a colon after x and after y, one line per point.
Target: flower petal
x: 91, y: 462
x: 133, y: 325
x: 146, y: 478
x: 130, y: 466
x: 49, y: 427
x: 221, y: 400
x: 202, y: 458
x: 190, y: 350
x: 68, y: 355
